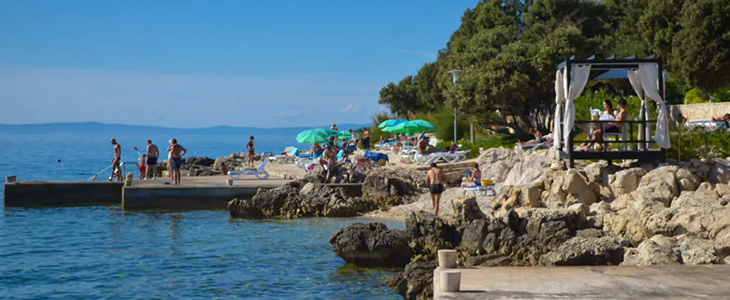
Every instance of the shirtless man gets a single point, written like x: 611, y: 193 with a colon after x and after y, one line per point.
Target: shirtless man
x: 251, y: 153
x: 330, y: 160
x: 176, y: 154
x: 435, y: 181
x: 153, y: 153
x: 116, y: 170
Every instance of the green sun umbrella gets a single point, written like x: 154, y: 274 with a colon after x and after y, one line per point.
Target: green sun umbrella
x: 411, y: 127
x: 391, y: 122
x: 344, y: 134
x: 313, y: 136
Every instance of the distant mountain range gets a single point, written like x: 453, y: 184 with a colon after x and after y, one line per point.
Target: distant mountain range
x: 95, y: 127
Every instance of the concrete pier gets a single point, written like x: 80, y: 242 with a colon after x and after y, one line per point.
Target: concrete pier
x: 33, y: 194
x: 210, y: 192
x: 599, y: 282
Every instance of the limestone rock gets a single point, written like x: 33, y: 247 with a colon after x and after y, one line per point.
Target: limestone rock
x: 719, y: 172
x: 392, y: 186
x: 626, y: 181
x: 527, y: 169
x: 650, y: 253
x: 663, y: 177
x: 575, y: 185
x: 580, y: 251
x: 496, y: 163
x: 371, y: 245
x: 415, y: 282
x: 340, y: 207
x: 467, y: 209
x: 696, y: 251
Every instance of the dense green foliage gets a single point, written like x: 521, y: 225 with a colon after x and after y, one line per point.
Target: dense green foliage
x: 507, y: 141
x: 699, y: 143
x: 508, y: 51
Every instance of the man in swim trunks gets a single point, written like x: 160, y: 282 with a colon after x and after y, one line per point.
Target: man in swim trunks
x: 116, y: 170
x: 152, y: 154
x: 251, y: 153
x: 435, y: 181
x: 176, y: 154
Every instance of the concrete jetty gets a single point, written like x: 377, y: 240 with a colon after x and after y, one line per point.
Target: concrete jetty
x: 210, y: 192
x: 595, y: 282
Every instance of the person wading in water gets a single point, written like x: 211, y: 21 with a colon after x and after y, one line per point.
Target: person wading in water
x: 435, y: 182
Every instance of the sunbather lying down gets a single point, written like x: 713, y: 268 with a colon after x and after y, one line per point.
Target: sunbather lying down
x: 538, y: 138
x: 725, y: 117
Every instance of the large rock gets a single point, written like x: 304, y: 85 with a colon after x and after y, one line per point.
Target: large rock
x: 580, y: 251
x: 663, y: 177
x: 389, y: 186
x: 626, y: 181
x: 528, y: 169
x: 200, y: 161
x: 415, y: 282
x: 697, y: 251
x: 466, y: 209
x: 552, y: 227
x: 266, y: 203
x: 719, y: 172
x: 576, y: 187
x: 341, y: 207
x: 496, y: 163
x: 372, y: 245
x: 650, y: 253
x: 429, y: 233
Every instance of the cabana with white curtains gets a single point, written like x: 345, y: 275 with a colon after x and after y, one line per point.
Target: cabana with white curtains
x: 645, y: 76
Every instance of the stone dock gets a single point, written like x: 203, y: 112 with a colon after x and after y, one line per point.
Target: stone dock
x: 210, y: 192
x: 595, y: 282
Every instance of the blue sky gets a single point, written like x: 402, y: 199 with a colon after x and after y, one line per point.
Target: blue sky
x: 208, y: 63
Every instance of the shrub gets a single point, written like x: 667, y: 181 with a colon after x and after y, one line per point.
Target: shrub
x: 700, y: 143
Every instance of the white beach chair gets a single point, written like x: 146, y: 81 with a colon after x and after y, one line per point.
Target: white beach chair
x: 480, y: 189
x: 260, y: 173
x: 457, y: 156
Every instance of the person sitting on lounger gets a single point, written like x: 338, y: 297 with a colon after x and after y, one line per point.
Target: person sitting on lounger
x: 474, y: 177
x: 610, y: 127
x: 538, y: 138
x: 329, y: 161
x: 424, y: 148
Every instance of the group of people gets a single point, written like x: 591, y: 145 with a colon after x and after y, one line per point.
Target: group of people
x: 148, y: 161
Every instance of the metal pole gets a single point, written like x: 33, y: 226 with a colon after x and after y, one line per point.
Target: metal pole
x: 471, y: 132
x: 454, y: 123
x: 454, y: 74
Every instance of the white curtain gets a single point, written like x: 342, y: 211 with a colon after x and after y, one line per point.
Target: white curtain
x: 573, y: 89
x: 650, y: 82
x: 635, y: 80
x: 559, y: 99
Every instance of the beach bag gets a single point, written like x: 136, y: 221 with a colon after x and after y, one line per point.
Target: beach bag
x: 487, y: 182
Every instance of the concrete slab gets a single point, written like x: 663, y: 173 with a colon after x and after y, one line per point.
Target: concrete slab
x: 32, y: 194
x: 210, y: 192
x: 599, y: 282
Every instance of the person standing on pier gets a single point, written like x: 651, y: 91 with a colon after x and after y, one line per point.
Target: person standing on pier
x: 251, y: 153
x: 152, y: 154
x: 176, y: 153
x: 116, y: 170
x: 435, y: 181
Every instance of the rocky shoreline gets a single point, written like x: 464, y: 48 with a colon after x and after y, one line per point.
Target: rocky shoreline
x: 628, y: 214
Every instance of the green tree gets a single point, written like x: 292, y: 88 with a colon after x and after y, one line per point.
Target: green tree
x: 692, y: 36
x: 402, y: 99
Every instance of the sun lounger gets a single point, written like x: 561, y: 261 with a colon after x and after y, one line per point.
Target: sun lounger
x: 457, y: 156
x: 260, y: 173
x: 482, y: 189
x: 289, y: 155
x: 425, y: 160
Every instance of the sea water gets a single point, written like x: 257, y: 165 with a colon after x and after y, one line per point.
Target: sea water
x: 103, y: 252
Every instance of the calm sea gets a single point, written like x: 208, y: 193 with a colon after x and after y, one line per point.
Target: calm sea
x: 106, y: 253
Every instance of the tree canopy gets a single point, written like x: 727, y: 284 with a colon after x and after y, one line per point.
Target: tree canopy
x: 509, y: 49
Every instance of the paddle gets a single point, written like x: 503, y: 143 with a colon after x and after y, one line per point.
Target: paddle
x: 135, y: 149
